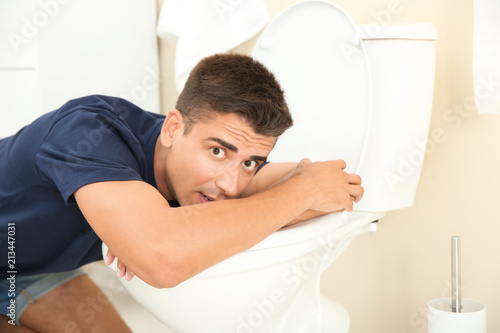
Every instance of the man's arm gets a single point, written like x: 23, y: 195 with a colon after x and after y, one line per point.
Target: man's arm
x: 272, y: 174
x: 165, y: 246
x: 269, y: 175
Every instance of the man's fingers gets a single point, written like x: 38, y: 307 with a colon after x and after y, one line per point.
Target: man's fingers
x: 110, y: 257
x: 129, y: 275
x: 341, y: 164
x: 354, y: 179
x: 356, y: 191
x: 121, y: 269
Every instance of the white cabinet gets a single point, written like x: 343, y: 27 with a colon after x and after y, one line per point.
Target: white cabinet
x: 56, y: 50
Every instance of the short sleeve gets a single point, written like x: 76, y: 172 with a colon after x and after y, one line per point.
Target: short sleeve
x: 260, y: 166
x: 86, y: 147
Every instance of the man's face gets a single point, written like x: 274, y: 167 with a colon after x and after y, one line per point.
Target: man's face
x: 216, y: 160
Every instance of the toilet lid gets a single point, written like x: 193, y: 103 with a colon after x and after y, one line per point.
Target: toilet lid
x: 316, y: 54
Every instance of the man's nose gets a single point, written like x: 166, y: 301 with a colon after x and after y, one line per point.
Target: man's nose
x: 229, y: 182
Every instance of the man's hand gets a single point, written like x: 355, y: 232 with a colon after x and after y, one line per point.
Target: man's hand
x: 121, y: 268
x: 333, y: 188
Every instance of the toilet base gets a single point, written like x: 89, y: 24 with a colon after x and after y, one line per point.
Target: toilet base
x: 271, y: 288
x: 336, y: 318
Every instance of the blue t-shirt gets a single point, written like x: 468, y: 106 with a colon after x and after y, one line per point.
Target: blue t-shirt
x: 87, y: 140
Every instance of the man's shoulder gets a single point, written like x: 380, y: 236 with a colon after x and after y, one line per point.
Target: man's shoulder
x: 99, y: 104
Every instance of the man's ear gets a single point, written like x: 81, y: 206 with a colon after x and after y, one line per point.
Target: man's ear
x: 172, y: 126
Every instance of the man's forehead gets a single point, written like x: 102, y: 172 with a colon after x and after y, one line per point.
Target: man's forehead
x: 235, y: 130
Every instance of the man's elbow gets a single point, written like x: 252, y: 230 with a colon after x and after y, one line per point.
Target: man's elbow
x: 168, y: 274
x: 167, y: 281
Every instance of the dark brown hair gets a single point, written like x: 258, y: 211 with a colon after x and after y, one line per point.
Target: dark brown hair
x: 235, y: 83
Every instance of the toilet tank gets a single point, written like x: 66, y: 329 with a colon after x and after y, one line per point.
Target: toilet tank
x: 402, y: 62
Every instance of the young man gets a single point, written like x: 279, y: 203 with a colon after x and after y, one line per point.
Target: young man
x: 101, y: 169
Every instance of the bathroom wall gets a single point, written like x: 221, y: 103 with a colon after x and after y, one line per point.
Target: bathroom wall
x: 385, y: 280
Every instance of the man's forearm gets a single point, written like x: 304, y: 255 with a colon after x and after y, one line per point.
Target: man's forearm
x: 218, y: 230
x: 165, y: 246
x: 273, y: 174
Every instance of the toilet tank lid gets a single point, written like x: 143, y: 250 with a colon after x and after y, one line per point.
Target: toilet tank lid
x: 414, y: 31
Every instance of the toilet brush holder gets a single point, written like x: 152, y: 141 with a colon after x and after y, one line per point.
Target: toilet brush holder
x: 441, y: 318
x: 454, y: 314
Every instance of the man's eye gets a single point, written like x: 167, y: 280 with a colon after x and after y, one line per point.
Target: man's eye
x: 250, y: 165
x: 218, y: 152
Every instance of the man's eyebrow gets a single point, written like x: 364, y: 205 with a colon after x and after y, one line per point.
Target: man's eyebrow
x: 258, y: 158
x: 224, y: 144
x: 233, y: 148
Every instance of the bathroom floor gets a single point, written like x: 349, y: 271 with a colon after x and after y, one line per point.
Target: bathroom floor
x: 137, y: 318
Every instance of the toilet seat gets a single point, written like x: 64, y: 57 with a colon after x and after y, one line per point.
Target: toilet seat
x: 316, y: 40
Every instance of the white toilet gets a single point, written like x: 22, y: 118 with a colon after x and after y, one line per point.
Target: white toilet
x: 360, y: 93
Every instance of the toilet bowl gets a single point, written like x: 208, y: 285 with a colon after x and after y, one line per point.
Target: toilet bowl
x: 356, y: 93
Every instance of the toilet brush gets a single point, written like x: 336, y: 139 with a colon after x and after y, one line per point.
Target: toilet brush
x: 456, y: 300
x: 456, y: 314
